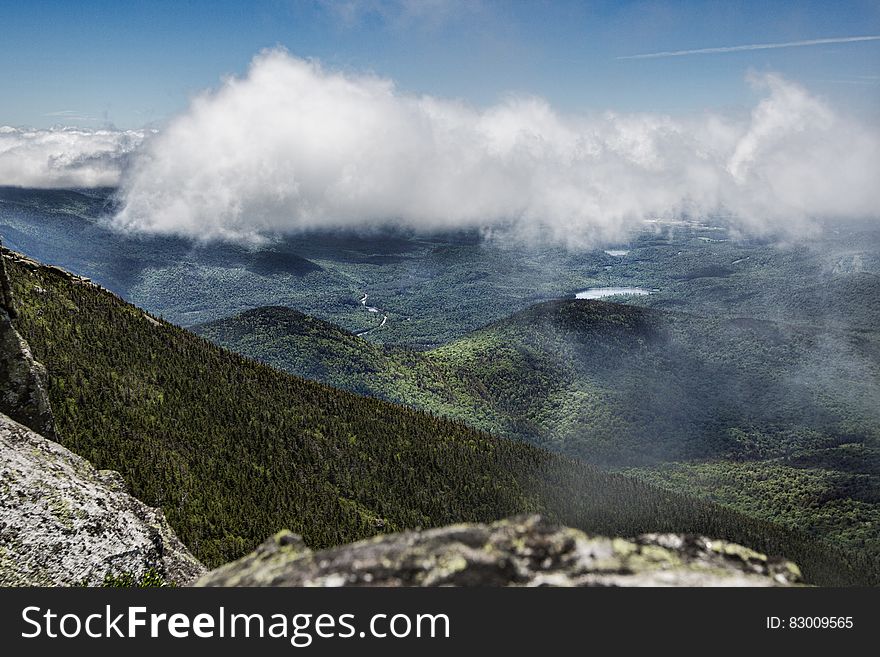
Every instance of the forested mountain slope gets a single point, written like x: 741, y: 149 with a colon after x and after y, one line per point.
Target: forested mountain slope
x: 233, y: 450
x: 781, y: 421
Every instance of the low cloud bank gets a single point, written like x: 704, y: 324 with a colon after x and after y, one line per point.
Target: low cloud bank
x: 291, y: 146
x: 65, y: 157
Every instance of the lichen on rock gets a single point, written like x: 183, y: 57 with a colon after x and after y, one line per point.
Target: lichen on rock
x: 520, y: 551
x: 62, y: 522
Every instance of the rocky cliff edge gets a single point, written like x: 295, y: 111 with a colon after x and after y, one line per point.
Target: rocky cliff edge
x: 520, y: 551
x: 63, y: 522
x: 23, y: 394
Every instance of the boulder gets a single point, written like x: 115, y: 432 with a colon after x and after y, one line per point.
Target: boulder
x: 520, y: 551
x: 63, y: 522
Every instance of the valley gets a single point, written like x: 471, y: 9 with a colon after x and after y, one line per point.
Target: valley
x: 438, y: 288
x: 743, y: 372
x: 728, y: 405
x: 233, y: 451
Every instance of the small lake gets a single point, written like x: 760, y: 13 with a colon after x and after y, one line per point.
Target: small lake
x: 617, y: 253
x: 600, y: 292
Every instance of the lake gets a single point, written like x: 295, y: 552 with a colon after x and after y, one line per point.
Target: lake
x: 600, y: 292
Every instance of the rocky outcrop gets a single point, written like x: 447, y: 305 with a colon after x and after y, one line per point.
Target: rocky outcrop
x: 62, y: 522
x: 521, y: 551
x: 23, y: 395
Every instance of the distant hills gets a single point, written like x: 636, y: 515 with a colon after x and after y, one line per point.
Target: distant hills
x: 748, y: 376
x: 436, y: 289
x: 233, y: 450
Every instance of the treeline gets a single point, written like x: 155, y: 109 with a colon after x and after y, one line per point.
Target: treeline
x: 233, y: 450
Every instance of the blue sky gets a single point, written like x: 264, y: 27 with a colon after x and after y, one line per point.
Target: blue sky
x: 131, y: 64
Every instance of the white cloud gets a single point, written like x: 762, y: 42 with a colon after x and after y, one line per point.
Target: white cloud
x: 64, y: 157
x: 797, y: 159
x: 291, y: 146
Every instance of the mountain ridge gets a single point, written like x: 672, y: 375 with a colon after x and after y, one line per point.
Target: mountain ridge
x: 234, y: 450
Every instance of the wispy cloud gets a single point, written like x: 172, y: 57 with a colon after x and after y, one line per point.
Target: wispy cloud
x: 856, y: 80
x: 752, y: 46
x: 71, y: 115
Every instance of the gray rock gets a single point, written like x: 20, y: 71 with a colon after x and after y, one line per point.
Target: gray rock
x: 62, y: 522
x: 6, y: 302
x: 520, y: 551
x: 23, y: 395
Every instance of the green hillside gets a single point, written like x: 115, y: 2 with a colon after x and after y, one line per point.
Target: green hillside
x: 318, y: 350
x: 714, y: 407
x: 234, y: 450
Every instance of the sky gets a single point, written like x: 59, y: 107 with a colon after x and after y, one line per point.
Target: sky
x: 573, y: 122
x: 132, y: 64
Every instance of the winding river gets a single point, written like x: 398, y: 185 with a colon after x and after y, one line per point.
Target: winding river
x: 371, y: 309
